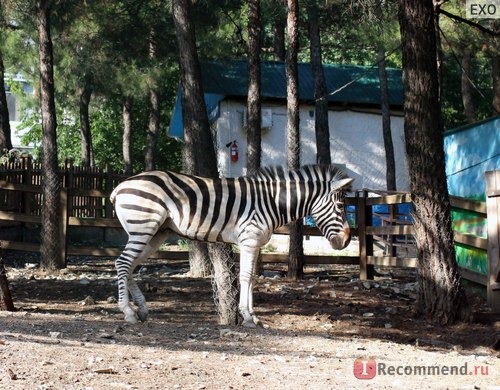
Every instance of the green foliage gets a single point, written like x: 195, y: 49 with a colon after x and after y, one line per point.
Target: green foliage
x: 108, y: 139
x: 452, y: 108
x: 104, y: 46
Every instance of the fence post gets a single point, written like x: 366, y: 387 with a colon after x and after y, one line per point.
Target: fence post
x: 365, y: 218
x: 64, y: 224
x: 493, y: 214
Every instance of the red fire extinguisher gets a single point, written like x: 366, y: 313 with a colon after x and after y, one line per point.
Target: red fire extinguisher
x: 234, y: 151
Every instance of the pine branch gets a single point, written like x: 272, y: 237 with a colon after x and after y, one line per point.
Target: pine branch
x: 469, y: 22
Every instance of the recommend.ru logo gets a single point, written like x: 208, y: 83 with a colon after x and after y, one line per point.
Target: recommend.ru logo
x: 369, y: 368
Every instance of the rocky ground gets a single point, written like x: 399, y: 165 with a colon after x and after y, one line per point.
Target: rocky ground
x: 68, y: 334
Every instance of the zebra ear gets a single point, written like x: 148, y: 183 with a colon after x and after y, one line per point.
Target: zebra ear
x: 343, y: 183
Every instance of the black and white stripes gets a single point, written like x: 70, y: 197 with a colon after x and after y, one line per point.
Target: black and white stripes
x: 244, y: 211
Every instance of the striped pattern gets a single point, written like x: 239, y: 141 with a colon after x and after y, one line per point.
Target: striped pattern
x: 243, y: 211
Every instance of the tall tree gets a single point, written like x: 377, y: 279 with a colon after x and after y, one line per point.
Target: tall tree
x: 127, y: 134
x: 197, y: 136
x: 467, y: 98
x: 321, y: 126
x: 254, y: 99
x: 296, y: 249
x: 5, y: 132
x: 196, y: 127
x: 495, y: 67
x: 279, y: 49
x: 154, y: 109
x: 440, y: 295
x: 85, y: 130
x: 390, y: 162
x: 50, y: 236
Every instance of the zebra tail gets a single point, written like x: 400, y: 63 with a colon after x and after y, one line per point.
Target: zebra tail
x: 112, y: 197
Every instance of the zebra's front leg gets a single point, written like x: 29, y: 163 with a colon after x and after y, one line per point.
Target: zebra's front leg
x: 248, y: 257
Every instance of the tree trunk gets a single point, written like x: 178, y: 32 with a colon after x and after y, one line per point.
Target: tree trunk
x: 85, y: 132
x: 154, y: 111
x: 390, y: 172
x: 495, y: 70
x: 5, y: 296
x: 253, y: 102
x: 439, y: 49
x: 127, y: 134
x: 199, y: 260
x: 296, y: 249
x: 467, y: 98
x: 279, y: 38
x: 440, y: 295
x: 225, y: 283
x: 196, y: 127
x: 323, y: 153
x: 50, y: 235
x: 197, y: 136
x: 5, y: 132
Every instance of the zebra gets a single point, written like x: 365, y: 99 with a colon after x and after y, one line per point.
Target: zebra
x: 244, y: 211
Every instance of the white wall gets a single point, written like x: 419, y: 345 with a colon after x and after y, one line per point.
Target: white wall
x: 355, y: 139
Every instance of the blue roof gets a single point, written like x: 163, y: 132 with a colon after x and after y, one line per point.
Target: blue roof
x: 346, y: 85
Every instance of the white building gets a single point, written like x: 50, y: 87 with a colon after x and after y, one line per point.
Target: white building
x: 355, y: 122
x: 15, y: 111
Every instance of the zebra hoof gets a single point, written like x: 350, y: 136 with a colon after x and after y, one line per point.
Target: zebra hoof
x: 131, y: 319
x: 249, y: 323
x: 142, y: 314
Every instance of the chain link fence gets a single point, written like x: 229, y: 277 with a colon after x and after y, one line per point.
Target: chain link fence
x: 225, y: 282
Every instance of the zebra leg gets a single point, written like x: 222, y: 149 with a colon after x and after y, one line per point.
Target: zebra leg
x: 133, y: 255
x: 124, y: 269
x: 138, y: 298
x: 248, y: 256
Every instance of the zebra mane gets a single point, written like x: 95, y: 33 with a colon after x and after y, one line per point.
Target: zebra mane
x: 320, y: 173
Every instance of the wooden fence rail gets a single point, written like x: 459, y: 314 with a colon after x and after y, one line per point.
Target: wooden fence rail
x: 20, y: 203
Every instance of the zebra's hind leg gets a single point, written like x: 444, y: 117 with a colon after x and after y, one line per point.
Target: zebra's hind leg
x: 135, y: 253
x: 138, y: 298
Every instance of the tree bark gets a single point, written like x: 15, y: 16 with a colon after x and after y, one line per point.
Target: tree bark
x: 50, y: 235
x: 197, y: 136
x: 296, y: 249
x: 196, y: 127
x: 495, y: 68
x: 321, y: 126
x: 127, y: 134
x: 279, y: 38
x: 85, y: 131
x: 440, y: 295
x: 5, y: 295
x: 5, y: 131
x: 467, y: 98
x: 390, y: 170
x: 225, y: 283
x: 154, y: 111
x: 254, y: 149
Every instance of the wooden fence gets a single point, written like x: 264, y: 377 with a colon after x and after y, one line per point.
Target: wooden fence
x: 85, y: 203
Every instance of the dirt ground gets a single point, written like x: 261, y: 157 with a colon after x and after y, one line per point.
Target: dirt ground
x: 67, y: 333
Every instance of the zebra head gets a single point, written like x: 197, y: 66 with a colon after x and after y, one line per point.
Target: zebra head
x: 330, y: 217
